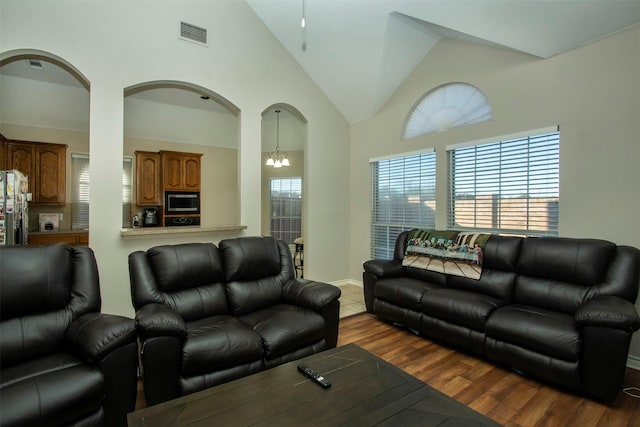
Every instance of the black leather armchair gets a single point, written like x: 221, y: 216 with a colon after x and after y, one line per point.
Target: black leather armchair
x: 62, y: 361
x: 208, y: 315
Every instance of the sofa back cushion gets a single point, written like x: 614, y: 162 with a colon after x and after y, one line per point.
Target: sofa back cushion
x: 187, y: 277
x: 44, y: 288
x: 499, y: 263
x: 255, y: 270
x: 561, y: 273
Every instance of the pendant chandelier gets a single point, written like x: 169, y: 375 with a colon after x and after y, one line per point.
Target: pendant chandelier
x: 276, y: 159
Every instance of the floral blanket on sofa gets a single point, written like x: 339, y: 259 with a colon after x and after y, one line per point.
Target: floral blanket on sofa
x: 446, y: 252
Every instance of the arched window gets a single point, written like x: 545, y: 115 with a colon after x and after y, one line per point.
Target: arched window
x: 445, y: 107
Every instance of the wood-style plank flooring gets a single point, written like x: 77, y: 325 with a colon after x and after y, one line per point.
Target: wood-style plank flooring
x: 504, y: 396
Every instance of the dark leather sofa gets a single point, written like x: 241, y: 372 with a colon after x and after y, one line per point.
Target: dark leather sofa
x: 558, y: 309
x: 62, y: 361
x: 207, y: 315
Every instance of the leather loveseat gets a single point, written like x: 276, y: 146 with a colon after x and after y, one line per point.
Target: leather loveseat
x: 558, y: 309
x: 63, y: 362
x: 207, y: 315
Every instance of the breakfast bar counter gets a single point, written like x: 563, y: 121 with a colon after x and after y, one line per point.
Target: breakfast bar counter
x: 127, y: 233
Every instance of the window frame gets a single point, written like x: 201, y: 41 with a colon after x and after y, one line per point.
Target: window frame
x: 289, y: 233
x: 383, y: 233
x: 80, y: 214
x: 533, y: 194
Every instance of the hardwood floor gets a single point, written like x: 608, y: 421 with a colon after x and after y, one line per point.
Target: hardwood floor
x: 504, y: 396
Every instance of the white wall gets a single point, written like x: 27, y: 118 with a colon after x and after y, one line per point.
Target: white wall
x: 591, y: 92
x: 116, y: 45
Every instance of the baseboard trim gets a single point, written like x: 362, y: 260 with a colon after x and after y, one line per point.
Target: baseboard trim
x: 346, y: 282
x: 633, y: 362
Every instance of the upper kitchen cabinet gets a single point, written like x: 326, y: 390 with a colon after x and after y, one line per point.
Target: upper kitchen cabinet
x: 148, y: 192
x: 45, y: 165
x: 180, y: 171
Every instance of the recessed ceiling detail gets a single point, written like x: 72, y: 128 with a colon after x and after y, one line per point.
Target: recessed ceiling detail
x: 445, y: 107
x: 359, y: 52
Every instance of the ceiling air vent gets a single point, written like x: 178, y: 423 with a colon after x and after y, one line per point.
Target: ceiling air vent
x: 193, y: 33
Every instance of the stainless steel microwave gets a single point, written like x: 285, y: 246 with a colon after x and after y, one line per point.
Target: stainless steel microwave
x: 181, y: 203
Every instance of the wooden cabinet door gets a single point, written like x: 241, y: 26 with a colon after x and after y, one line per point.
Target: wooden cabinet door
x: 172, y: 171
x: 180, y: 171
x: 20, y: 156
x: 50, y: 185
x: 147, y: 178
x: 191, y: 167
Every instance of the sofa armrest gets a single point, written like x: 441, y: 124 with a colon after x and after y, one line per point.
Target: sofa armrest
x: 157, y: 320
x: 95, y: 335
x: 310, y: 294
x: 383, y: 268
x: 608, y: 311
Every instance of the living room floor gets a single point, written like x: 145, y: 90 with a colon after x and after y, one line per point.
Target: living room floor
x: 351, y: 300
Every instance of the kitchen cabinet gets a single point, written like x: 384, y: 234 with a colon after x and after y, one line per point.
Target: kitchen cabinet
x: 148, y: 167
x: 51, y: 238
x: 180, y: 171
x: 44, y: 164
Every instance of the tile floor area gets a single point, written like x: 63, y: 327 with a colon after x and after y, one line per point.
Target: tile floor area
x: 351, y: 300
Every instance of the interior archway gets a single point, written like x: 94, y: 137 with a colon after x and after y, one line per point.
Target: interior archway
x: 184, y: 117
x: 283, y: 188
x: 46, y: 99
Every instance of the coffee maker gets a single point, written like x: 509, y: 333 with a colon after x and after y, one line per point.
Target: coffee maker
x: 150, y: 217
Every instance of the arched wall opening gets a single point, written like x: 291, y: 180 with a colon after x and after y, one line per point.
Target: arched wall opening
x: 183, y: 117
x: 45, y: 99
x: 283, y: 188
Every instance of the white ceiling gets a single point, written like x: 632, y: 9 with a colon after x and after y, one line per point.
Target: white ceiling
x: 360, y: 51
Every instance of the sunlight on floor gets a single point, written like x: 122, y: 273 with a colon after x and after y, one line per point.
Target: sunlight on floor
x: 352, y: 300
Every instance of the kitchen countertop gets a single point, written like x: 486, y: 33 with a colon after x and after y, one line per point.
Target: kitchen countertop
x: 159, y: 231
x: 36, y: 233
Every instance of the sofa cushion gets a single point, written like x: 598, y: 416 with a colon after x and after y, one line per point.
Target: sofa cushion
x: 464, y: 308
x: 45, y: 278
x: 250, y: 258
x: 56, y: 390
x: 185, y: 266
x: 218, y: 342
x: 403, y: 291
x: 543, y: 331
x: 580, y: 261
x: 285, y: 328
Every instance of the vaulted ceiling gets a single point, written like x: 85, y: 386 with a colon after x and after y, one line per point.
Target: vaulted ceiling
x: 359, y: 51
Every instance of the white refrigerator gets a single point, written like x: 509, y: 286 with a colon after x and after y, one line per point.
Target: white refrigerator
x: 14, y: 208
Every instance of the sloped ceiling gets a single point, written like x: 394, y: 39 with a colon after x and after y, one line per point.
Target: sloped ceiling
x: 360, y: 51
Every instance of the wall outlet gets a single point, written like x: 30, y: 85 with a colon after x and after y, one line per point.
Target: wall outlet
x: 61, y: 216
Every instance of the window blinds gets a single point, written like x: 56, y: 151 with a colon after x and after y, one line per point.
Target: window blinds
x: 81, y: 189
x: 509, y: 186
x: 403, y: 197
x: 80, y: 173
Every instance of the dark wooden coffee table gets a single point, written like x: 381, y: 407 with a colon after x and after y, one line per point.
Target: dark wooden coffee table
x: 365, y: 391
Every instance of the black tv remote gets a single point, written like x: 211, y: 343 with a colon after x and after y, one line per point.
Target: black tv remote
x: 314, y: 376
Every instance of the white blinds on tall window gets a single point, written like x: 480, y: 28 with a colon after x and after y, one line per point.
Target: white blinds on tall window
x: 286, y: 208
x: 403, y: 197
x: 509, y: 186
x: 127, y: 191
x: 81, y: 186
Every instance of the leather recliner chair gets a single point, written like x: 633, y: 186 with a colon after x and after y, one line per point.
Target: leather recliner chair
x: 208, y: 315
x: 62, y: 361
